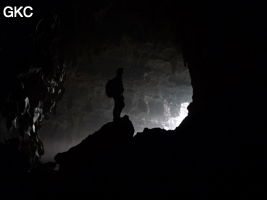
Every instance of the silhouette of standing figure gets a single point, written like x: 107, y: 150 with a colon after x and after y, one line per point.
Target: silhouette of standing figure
x: 114, y: 89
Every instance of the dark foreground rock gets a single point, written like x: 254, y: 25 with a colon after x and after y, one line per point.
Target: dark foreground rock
x: 112, y: 138
x: 156, y: 160
x: 113, y: 160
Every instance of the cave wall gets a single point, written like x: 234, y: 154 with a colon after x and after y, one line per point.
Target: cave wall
x: 224, y: 48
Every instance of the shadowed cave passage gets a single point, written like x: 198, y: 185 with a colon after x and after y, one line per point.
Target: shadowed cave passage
x: 157, y: 91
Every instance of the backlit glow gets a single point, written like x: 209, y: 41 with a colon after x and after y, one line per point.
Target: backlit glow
x: 174, y: 122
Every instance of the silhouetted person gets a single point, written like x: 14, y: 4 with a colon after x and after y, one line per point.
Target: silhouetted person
x: 114, y: 89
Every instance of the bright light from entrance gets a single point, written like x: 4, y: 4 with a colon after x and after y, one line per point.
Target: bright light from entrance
x: 174, y: 122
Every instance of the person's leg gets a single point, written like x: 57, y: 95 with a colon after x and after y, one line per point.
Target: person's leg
x: 116, y: 114
x: 118, y: 107
x: 121, y: 105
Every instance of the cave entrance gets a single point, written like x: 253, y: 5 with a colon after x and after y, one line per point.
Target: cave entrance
x: 157, y: 85
x: 156, y: 81
x: 157, y: 91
